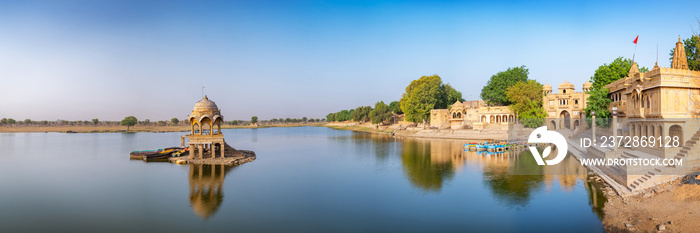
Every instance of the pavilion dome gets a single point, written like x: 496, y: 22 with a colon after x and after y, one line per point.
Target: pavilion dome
x: 205, y: 107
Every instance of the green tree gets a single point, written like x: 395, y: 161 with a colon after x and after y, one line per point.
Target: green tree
x: 175, y: 121
x: 27, y: 121
x: 330, y: 117
x: 598, y: 101
x: 395, y: 107
x: 494, y: 93
x: 608, y: 73
x: 449, y: 96
x: 526, y: 99
x: 129, y: 121
x: 534, y: 114
x: 11, y: 121
x: 95, y: 121
x: 3, y: 121
x: 361, y: 114
x: 380, y: 113
x: 421, y: 96
x: 344, y: 115
x: 305, y: 120
x: 254, y: 119
x: 147, y: 121
x: 692, y: 47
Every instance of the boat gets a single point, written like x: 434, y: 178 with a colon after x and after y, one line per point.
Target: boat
x: 482, y: 147
x: 149, y: 155
x: 180, y: 152
x: 164, y: 154
x: 140, y: 154
x: 470, y: 146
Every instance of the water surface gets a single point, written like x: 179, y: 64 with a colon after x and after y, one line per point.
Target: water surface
x: 305, y: 179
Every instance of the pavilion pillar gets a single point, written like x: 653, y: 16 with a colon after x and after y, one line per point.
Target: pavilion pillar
x: 201, y: 151
x: 223, y: 150
x: 191, y: 151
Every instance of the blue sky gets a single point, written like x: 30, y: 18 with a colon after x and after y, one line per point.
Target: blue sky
x: 78, y: 60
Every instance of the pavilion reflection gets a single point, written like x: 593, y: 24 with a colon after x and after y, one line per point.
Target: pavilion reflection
x: 206, y: 183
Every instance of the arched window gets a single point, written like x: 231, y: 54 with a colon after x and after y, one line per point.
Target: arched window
x: 676, y: 131
x: 648, y: 103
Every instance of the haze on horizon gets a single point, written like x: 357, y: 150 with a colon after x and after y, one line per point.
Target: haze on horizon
x: 78, y: 60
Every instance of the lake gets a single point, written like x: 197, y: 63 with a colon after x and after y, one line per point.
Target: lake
x: 305, y: 179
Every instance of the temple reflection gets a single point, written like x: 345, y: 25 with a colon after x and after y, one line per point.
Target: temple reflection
x: 206, y: 183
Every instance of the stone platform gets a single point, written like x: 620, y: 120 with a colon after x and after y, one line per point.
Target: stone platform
x: 231, y: 157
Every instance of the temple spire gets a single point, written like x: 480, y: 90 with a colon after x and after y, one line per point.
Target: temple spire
x: 633, y: 70
x: 680, y: 61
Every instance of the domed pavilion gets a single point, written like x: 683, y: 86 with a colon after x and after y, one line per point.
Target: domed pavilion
x: 205, y: 136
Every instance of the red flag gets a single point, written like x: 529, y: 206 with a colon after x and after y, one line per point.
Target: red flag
x: 635, y: 39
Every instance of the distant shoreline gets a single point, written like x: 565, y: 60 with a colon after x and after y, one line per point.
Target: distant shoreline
x: 133, y: 129
x: 417, y: 132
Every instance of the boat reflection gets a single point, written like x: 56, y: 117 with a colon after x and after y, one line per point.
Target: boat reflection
x: 206, y: 183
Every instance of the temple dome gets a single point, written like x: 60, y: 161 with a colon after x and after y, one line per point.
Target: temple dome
x: 205, y: 107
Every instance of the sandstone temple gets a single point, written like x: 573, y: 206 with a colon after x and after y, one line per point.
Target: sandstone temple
x: 661, y: 105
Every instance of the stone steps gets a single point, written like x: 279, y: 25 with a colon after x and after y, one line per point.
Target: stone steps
x: 652, y: 179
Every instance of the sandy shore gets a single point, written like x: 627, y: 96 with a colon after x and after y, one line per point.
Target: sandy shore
x: 117, y: 128
x: 672, y: 207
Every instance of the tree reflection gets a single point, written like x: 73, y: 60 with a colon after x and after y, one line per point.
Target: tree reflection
x: 424, y: 171
x: 206, y: 182
x: 513, y: 189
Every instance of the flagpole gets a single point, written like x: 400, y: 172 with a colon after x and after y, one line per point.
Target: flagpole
x: 635, y: 48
